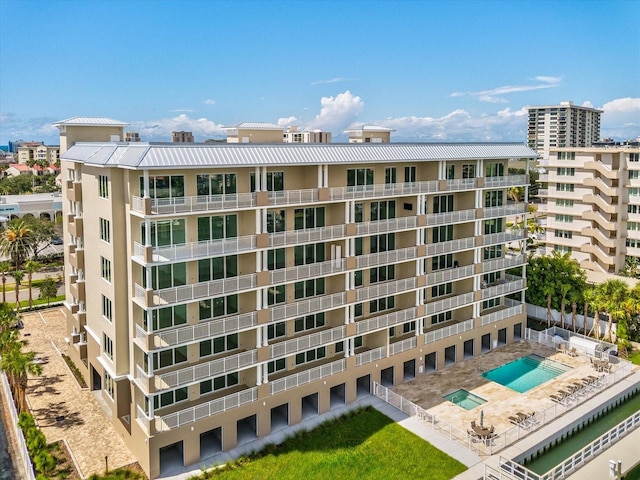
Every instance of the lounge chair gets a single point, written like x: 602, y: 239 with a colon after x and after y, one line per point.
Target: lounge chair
x: 562, y: 348
x: 573, y: 352
x: 556, y: 399
x: 515, y: 420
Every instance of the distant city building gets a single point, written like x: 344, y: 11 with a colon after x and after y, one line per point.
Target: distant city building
x: 30, y: 152
x: 254, y: 132
x: 370, y: 134
x: 562, y: 126
x: 293, y: 135
x: 131, y: 137
x: 41, y: 205
x: 182, y: 137
x: 95, y: 129
x: 593, y: 205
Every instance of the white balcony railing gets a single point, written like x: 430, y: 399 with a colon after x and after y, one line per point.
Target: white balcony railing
x: 195, y: 250
x: 208, y: 329
x: 505, y: 210
x: 201, y: 203
x: 503, y: 263
x: 450, y: 246
x: 384, y: 321
x: 510, y: 284
x: 402, y: 346
x: 383, y: 258
x: 307, y: 235
x: 385, y: 289
x: 383, y: 226
x: 307, y: 376
x: 291, y: 197
x: 462, y: 184
x: 383, y: 190
x: 213, y: 288
x: 442, y: 276
x: 307, y: 307
x: 306, y: 342
x: 501, y: 315
x: 508, y: 181
x: 450, y: 331
x: 276, y: 277
x: 503, y: 237
x: 451, y: 217
x: 449, y: 303
x: 370, y: 356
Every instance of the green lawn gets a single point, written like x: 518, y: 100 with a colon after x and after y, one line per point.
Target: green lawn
x: 364, y: 444
x: 635, y: 358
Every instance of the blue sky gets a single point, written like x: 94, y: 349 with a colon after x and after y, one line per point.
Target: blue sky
x: 433, y: 70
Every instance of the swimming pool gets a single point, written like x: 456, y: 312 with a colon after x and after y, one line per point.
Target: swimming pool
x: 526, y: 373
x: 465, y: 399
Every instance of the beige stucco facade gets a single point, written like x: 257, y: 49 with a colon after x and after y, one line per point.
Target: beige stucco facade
x: 40, y: 154
x: 325, y: 287
x: 592, y: 205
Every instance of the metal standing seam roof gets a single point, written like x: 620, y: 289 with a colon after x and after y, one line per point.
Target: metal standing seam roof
x: 94, y: 121
x: 148, y: 155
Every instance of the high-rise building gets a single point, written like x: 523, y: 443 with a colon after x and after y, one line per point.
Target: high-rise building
x: 593, y: 205
x: 39, y: 153
x: 562, y: 126
x: 182, y: 137
x: 214, y: 292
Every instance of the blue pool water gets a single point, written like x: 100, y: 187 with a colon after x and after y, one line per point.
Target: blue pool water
x: 526, y: 373
x: 465, y: 399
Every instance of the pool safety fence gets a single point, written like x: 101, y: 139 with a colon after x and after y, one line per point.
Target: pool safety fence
x: 500, y: 440
x: 22, y: 453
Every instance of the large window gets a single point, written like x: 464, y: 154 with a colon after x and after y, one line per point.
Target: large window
x: 450, y: 172
x: 468, y: 170
x: 164, y: 186
x: 494, y: 169
x: 218, y: 307
x: 443, y: 233
x: 276, y: 221
x: 491, y: 303
x: 103, y: 186
x: 165, y: 232
x: 214, y: 346
x: 410, y: 174
x: 566, y: 155
x: 107, y: 346
x: 219, y: 383
x: 275, y: 182
x: 107, y: 308
x: 105, y: 230
x: 217, y: 268
x: 276, y: 295
x: 221, y: 183
x: 359, y: 176
x: 311, y: 355
x: 442, y: 289
x: 276, y: 330
x: 105, y: 269
x: 441, y: 317
x: 565, y: 187
x: 390, y: 175
x: 276, y: 365
x: 382, y: 243
x: 382, y: 274
x: 442, y: 203
x: 169, y: 398
x: 494, y: 251
x: 567, y: 172
x: 563, y: 234
x: 276, y: 259
x: 383, y: 210
x: 166, y: 317
x: 217, y: 227
x: 493, y: 225
x: 169, y: 357
x: 306, y: 254
x: 359, y: 212
x: 309, y: 322
x: 108, y: 384
x: 442, y: 261
x: 564, y: 218
x: 564, y: 202
x: 381, y: 304
x: 493, y: 198
x: 166, y: 276
x: 309, y: 288
x: 308, y: 217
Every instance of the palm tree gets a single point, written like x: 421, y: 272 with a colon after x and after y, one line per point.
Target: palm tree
x: 565, y: 288
x: 614, y: 293
x: 17, y: 275
x: 16, y: 241
x: 548, y: 290
x: 31, y: 266
x: 574, y: 297
x: 593, y: 301
x: 4, y: 268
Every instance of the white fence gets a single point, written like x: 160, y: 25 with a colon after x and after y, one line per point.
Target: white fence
x: 540, y: 313
x: 23, y: 453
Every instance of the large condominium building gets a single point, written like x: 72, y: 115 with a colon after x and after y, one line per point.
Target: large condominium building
x: 182, y: 137
x: 560, y: 126
x: 218, y: 292
x: 35, y: 152
x: 593, y: 205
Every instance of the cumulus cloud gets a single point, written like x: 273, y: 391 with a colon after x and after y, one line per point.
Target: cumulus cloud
x: 493, y: 95
x: 287, y: 121
x: 209, y: 101
x: 336, y: 113
x: 183, y: 110
x: 330, y: 80
x: 31, y: 129
x: 621, y: 118
x: 160, y: 130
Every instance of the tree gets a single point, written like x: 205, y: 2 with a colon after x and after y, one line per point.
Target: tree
x: 18, y: 275
x: 548, y: 291
x: 31, y: 267
x: 4, y: 268
x: 631, y: 267
x: 42, y: 233
x: 565, y: 288
x: 48, y: 289
x: 17, y: 241
x: 575, y: 297
x: 613, y: 294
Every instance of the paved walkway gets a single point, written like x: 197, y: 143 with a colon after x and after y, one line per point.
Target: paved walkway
x: 62, y: 409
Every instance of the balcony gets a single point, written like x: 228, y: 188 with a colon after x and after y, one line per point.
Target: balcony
x: 449, y: 303
x: 205, y: 410
x: 504, y: 182
x: 371, y: 356
x: 503, y: 263
x: 386, y: 288
x: 402, y: 346
x: 502, y: 314
x: 384, y: 258
x: 212, y: 203
x: 383, y: 190
x: 505, y: 210
x: 307, y: 307
x: 450, y: 274
x: 503, y: 237
x: 451, y: 217
x: 606, y: 258
x: 604, y: 170
x: 602, y: 204
x: 307, y: 376
x: 510, y: 284
x: 197, y: 250
x: 384, y: 321
x: 302, y: 272
x: 450, y: 246
x: 295, y: 345
x: 307, y: 235
x: 602, y: 186
x: 450, y: 331
x: 384, y: 226
x: 293, y: 197
x: 599, y: 236
x: 74, y: 191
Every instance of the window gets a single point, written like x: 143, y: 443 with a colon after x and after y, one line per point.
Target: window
x: 563, y: 202
x: 277, y: 365
x: 563, y: 234
x: 276, y: 258
x: 359, y: 213
x: 562, y: 249
x: 276, y: 294
x: 311, y: 355
x: 442, y: 261
x: 166, y: 276
x: 633, y: 226
x: 103, y: 186
x: 107, y: 308
x: 167, y: 317
x: 566, y: 172
x: 491, y: 303
x: 165, y: 232
x: 566, y: 155
x: 493, y: 198
x: 632, y: 242
x: 634, y: 157
x: 359, y: 176
x: 213, y: 346
x: 275, y: 221
x: 494, y: 251
x: 105, y: 269
x: 633, y: 208
x: 493, y: 226
x: 217, y: 268
x: 382, y: 243
x: 218, y: 307
x: 490, y: 279
x: 358, y: 309
x: 441, y: 317
x: 383, y: 210
x: 308, y: 217
x: 442, y: 234
x: 494, y: 170
x: 169, y: 398
x: 276, y: 330
x: 410, y: 174
x: 409, y: 327
x: 309, y: 322
x: 382, y: 274
x: 442, y: 289
x: 108, y: 384
x: 107, y: 346
x: 451, y: 172
x: 164, y: 186
x: 216, y: 184
x: 358, y: 278
x: 339, y: 347
x: 171, y: 356
x: 564, y: 218
x: 219, y: 383
x: 390, y: 175
x: 358, y: 246
x: 442, y: 203
x: 309, y: 288
x: 381, y: 304
x: 105, y: 230
x: 468, y: 170
x: 565, y: 187
x: 217, y: 227
x: 275, y: 182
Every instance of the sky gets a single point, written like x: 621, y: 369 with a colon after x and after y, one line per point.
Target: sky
x: 439, y: 71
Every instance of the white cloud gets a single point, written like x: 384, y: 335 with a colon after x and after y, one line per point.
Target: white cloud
x: 330, y: 80
x: 621, y: 118
x: 160, y: 130
x: 287, y: 121
x: 183, y: 110
x: 336, y: 113
x: 31, y: 129
x: 209, y: 101
x: 492, y: 95
x: 626, y: 104
x: 587, y: 104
